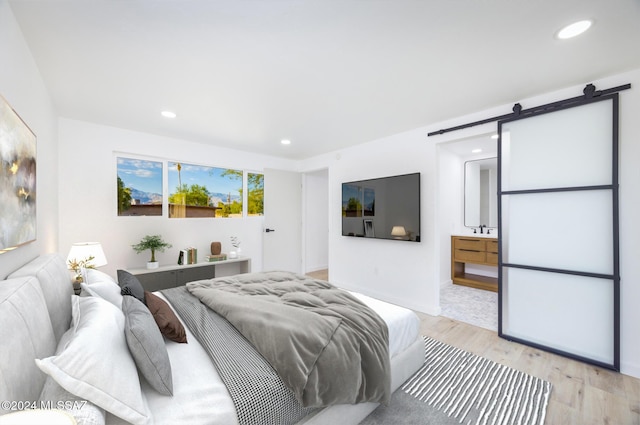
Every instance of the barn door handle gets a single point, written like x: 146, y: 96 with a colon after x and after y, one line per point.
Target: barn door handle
x: 270, y: 230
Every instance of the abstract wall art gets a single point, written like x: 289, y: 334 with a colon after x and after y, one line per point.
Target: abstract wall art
x: 17, y: 180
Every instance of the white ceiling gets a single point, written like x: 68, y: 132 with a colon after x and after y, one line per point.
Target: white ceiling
x: 325, y: 74
x: 474, y: 147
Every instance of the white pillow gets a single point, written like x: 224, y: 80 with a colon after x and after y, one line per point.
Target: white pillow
x: 94, y: 275
x: 83, y: 411
x: 102, y: 285
x: 94, y: 362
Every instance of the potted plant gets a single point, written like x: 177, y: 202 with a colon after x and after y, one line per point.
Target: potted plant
x: 78, y: 266
x: 153, y: 243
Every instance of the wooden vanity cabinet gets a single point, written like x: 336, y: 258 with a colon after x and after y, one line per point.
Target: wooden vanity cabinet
x: 470, y: 250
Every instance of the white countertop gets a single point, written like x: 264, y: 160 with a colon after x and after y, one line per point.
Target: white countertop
x: 492, y: 235
x: 185, y: 266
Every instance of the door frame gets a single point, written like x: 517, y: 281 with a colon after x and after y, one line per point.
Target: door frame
x: 307, y: 220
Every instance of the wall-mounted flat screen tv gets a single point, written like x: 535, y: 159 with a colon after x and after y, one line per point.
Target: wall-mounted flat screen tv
x: 383, y: 208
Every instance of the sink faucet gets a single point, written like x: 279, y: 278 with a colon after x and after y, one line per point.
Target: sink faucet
x: 482, y: 226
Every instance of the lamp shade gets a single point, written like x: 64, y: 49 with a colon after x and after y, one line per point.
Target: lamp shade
x: 398, y: 231
x: 84, y: 250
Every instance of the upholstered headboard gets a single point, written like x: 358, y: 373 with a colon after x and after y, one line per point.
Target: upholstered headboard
x: 35, y: 310
x: 55, y: 282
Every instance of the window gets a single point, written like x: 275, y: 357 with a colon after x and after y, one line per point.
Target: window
x: 255, y: 194
x: 193, y: 190
x: 139, y: 187
x: 351, y: 201
x: 201, y: 191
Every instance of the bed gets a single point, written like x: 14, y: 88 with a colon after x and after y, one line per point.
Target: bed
x: 70, y: 353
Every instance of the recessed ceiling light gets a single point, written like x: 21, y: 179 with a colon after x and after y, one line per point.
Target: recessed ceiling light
x: 476, y: 150
x: 168, y: 114
x: 495, y: 136
x: 574, y: 29
x: 285, y: 141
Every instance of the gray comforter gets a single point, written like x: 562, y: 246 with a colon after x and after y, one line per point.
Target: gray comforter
x: 327, y: 346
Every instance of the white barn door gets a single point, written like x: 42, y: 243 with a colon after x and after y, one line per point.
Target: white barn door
x: 558, y: 195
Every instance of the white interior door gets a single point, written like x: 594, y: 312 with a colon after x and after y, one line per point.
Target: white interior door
x: 282, y: 233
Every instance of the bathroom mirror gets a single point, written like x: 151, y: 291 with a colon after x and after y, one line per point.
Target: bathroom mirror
x: 481, y: 192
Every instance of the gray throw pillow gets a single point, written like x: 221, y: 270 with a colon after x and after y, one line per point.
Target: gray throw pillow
x: 131, y: 285
x: 146, y: 345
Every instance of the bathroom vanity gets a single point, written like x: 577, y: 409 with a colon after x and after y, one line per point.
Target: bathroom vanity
x: 473, y: 250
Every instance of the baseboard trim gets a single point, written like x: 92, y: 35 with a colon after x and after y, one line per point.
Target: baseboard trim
x: 631, y: 369
x: 317, y: 269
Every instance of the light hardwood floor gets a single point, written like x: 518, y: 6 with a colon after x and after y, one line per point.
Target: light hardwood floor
x: 582, y: 394
x: 319, y: 274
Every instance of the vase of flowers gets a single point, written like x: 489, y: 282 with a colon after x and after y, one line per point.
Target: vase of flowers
x: 153, y: 243
x: 78, y: 267
x: 235, y: 242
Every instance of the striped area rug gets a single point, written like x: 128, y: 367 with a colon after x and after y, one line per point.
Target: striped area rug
x: 475, y: 390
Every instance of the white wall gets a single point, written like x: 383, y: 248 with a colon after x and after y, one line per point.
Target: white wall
x: 450, y: 206
x: 396, y: 271
x: 87, y: 195
x: 22, y: 86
